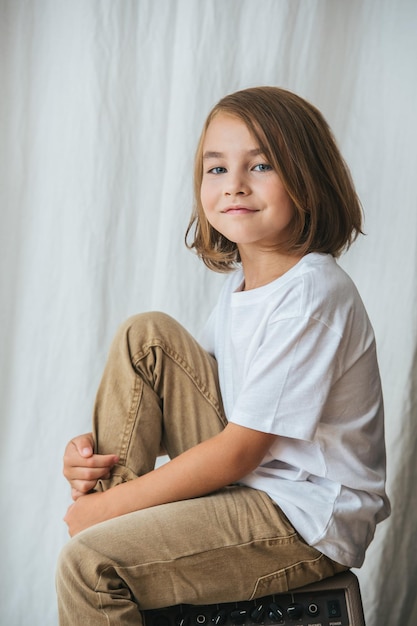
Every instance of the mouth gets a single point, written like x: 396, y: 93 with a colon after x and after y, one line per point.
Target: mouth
x: 238, y: 209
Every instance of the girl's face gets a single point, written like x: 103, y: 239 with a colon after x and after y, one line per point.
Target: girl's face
x: 242, y: 196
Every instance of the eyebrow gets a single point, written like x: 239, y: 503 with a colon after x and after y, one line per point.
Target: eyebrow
x: 209, y: 154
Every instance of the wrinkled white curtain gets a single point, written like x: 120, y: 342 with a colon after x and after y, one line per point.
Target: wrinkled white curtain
x: 101, y: 104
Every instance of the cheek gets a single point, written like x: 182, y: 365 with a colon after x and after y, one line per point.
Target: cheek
x: 206, y: 197
x: 284, y: 201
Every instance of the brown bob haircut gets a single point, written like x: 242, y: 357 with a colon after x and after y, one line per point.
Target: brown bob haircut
x: 298, y: 143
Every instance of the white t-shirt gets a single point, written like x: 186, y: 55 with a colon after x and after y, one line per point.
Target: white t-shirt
x: 297, y: 358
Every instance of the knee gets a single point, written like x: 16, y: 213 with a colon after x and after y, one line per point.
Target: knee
x: 152, y: 325
x: 68, y: 570
x: 78, y: 568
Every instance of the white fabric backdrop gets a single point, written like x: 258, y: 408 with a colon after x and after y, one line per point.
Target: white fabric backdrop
x: 101, y: 103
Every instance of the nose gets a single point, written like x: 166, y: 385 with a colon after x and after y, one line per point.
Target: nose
x: 235, y: 185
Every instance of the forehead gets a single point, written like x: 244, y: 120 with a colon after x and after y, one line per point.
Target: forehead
x: 228, y: 131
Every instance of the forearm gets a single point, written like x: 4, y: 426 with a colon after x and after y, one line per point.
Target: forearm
x: 217, y: 462
x: 202, y: 469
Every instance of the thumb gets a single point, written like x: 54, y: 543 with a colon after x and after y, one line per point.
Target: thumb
x: 84, y: 445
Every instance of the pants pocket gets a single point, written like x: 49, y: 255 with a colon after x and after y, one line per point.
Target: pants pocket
x: 297, y: 575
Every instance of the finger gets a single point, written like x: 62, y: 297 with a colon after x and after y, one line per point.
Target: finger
x: 81, y: 488
x: 95, y: 461
x: 76, y: 493
x: 84, y: 444
x: 73, y: 462
x: 73, y: 455
x: 83, y: 473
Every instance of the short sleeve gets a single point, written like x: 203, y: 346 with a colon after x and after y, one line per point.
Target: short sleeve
x: 287, y: 382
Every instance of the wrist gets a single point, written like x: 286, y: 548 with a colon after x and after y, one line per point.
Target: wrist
x: 114, y: 502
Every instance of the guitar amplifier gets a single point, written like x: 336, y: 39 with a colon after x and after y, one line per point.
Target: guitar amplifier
x: 334, y: 601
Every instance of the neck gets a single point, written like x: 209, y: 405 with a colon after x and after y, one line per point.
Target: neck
x: 261, y: 269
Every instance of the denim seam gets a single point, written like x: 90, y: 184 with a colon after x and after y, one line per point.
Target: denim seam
x: 281, y: 572
x: 275, y: 540
x: 131, y: 420
x: 182, y: 362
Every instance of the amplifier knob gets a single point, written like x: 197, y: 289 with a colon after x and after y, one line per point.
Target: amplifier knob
x: 275, y: 613
x: 258, y: 614
x: 182, y: 620
x: 295, y: 611
x: 219, y: 617
x: 238, y: 616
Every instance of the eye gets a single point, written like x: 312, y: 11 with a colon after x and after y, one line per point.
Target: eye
x: 217, y: 170
x: 262, y: 167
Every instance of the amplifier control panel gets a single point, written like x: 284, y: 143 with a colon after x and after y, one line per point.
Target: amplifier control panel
x: 307, y: 608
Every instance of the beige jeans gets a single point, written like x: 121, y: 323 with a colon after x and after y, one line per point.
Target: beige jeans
x: 161, y: 387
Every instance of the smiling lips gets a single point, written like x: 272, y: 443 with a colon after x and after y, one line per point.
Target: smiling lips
x: 238, y: 210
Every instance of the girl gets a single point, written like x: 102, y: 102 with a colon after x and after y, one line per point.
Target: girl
x: 273, y: 424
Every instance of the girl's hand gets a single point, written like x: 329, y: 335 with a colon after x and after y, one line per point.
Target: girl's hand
x: 87, y: 511
x: 83, y: 468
